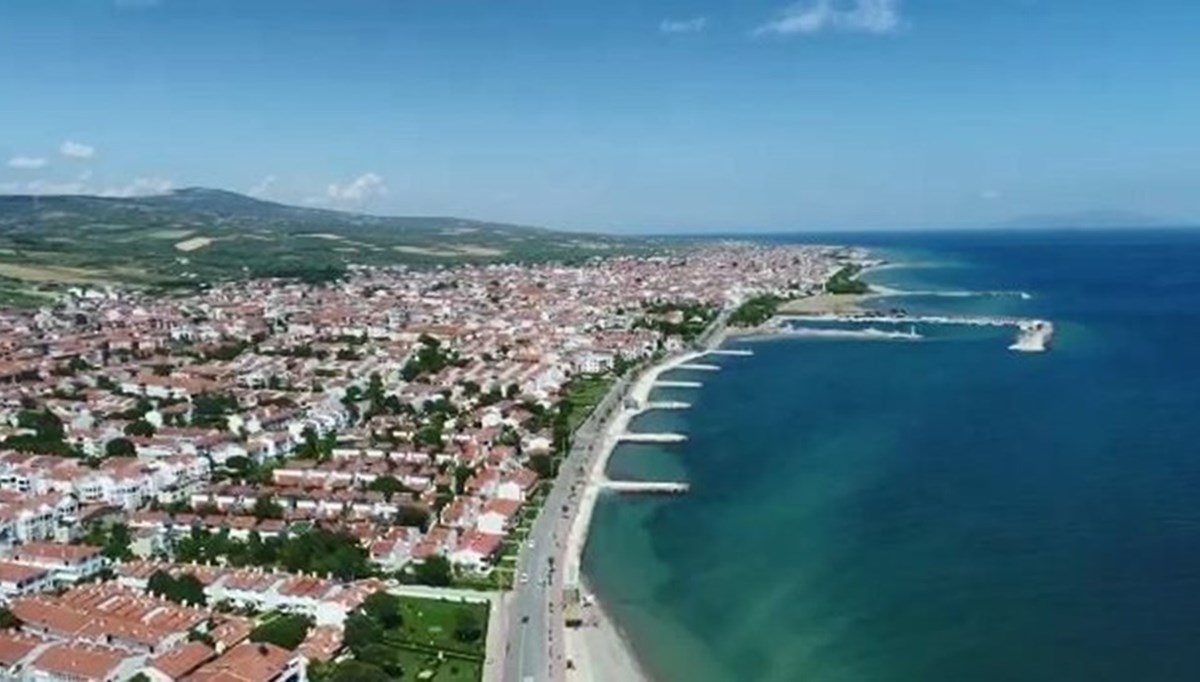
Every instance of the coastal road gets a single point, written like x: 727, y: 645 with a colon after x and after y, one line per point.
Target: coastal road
x: 535, y: 611
x: 535, y: 651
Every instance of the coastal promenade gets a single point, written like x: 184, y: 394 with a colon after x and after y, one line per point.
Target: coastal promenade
x: 533, y: 650
x: 538, y: 645
x: 597, y: 650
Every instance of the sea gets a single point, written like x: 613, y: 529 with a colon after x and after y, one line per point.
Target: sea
x: 938, y: 509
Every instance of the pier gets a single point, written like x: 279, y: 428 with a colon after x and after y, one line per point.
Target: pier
x: 663, y: 383
x: 665, y: 405
x: 651, y: 438
x: 1033, y: 336
x: 699, y: 367
x: 869, y: 334
x: 972, y: 321
x: 646, y: 487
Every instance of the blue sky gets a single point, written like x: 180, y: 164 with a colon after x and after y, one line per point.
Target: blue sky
x: 615, y: 115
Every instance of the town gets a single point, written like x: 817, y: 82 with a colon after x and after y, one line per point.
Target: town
x: 274, y: 480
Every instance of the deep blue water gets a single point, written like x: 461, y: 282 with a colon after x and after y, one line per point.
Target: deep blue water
x: 938, y: 510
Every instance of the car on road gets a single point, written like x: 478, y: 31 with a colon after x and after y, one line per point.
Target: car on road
x: 524, y: 578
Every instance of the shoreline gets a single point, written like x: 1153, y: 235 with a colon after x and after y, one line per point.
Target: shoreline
x: 598, y: 649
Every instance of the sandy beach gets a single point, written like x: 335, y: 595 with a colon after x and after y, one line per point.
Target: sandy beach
x: 597, y: 649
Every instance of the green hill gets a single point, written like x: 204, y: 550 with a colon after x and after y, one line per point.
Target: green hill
x: 198, y: 235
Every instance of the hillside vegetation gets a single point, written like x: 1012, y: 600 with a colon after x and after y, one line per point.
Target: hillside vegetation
x: 198, y: 235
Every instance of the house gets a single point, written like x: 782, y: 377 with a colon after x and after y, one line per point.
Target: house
x: 250, y: 662
x: 177, y: 663
x: 497, y: 516
x: 517, y: 486
x: 595, y: 363
x: 16, y: 649
x: 73, y: 661
x: 476, y: 550
x: 19, y: 579
x: 65, y: 563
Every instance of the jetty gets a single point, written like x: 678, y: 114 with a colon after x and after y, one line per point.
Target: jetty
x: 664, y: 405
x: 699, y: 367
x: 629, y: 437
x: 1033, y: 336
x: 869, y: 334
x: 646, y: 487
x: 663, y: 383
x: 968, y: 320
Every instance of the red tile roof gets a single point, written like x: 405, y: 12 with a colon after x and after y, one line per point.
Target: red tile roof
x: 77, y: 661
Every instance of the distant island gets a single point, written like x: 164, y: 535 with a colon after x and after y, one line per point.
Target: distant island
x: 198, y: 235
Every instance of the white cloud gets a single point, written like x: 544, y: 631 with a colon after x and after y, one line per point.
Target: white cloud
x: 43, y: 188
x: 140, y: 187
x: 814, y: 16
x: 693, y: 25
x: 990, y: 194
x: 26, y: 162
x: 262, y: 187
x: 76, y: 150
x: 362, y: 188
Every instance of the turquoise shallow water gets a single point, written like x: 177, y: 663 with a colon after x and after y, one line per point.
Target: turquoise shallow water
x: 939, y: 510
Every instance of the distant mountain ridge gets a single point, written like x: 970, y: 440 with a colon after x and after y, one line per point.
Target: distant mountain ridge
x: 199, y: 234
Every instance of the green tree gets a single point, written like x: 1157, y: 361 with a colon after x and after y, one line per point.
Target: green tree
x: 287, y: 630
x: 467, y: 628
x: 360, y: 631
x: 375, y: 390
x: 47, y: 437
x: 120, y: 447
x: 357, y: 671
x: 388, y: 485
x: 434, y: 571
x: 114, y: 543
x: 265, y: 507
x: 384, y: 657
x: 160, y: 583
x: 325, y: 552
x: 140, y: 427
x: 186, y: 589
x: 462, y: 474
x: 189, y: 590
x: 542, y: 465
x: 45, y: 423
x: 845, y: 281
x: 8, y: 621
x: 384, y: 608
x: 413, y: 516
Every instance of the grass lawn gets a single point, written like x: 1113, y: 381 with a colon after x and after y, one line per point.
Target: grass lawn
x: 449, y: 670
x: 431, y: 622
x: 583, y: 395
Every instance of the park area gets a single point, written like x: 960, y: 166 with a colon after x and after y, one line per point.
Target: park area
x: 411, y: 638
